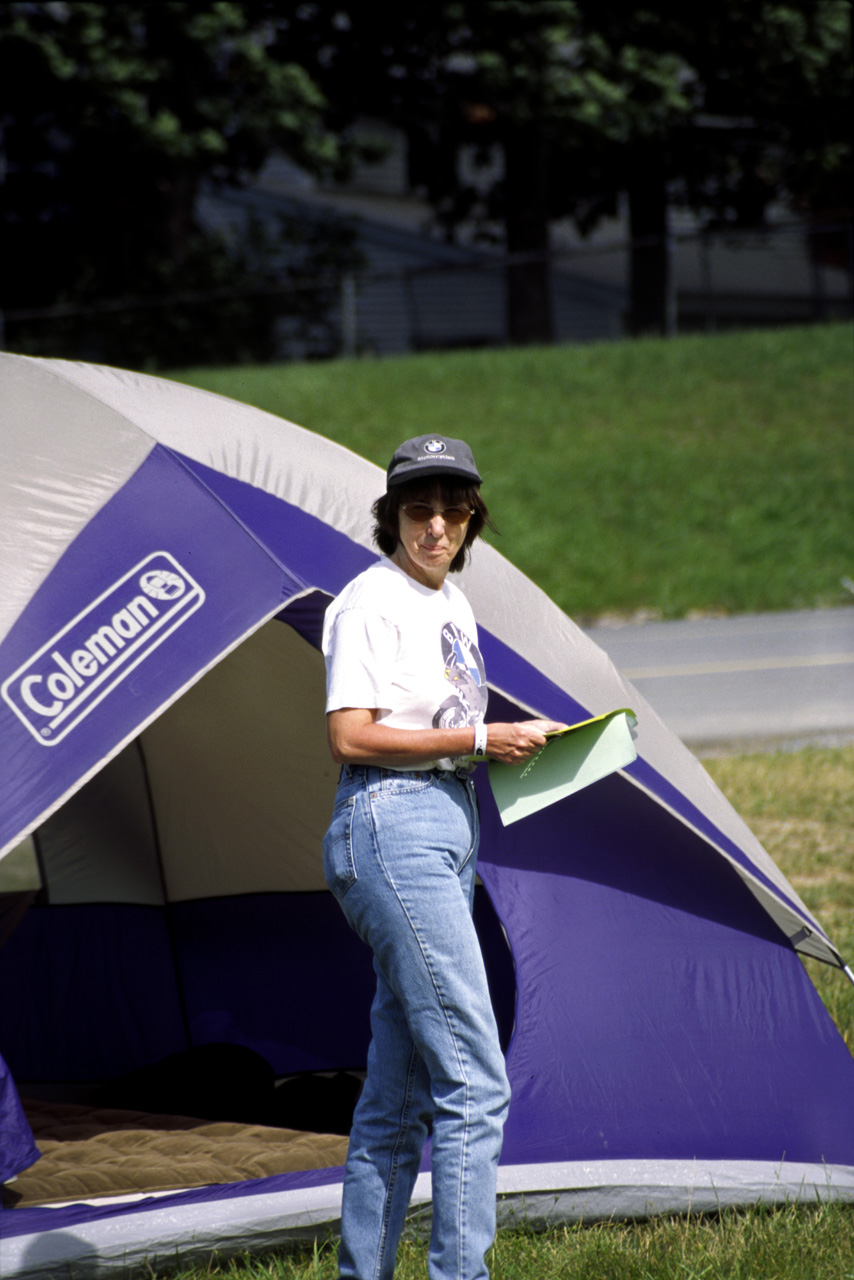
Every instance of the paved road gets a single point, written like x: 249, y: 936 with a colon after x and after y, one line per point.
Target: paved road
x: 750, y: 680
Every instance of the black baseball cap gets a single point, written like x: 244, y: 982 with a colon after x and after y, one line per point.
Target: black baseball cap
x: 432, y: 456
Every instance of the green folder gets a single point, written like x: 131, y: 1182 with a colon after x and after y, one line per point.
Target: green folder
x: 571, y: 759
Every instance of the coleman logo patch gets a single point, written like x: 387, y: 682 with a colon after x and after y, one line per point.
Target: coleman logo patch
x: 75, y: 670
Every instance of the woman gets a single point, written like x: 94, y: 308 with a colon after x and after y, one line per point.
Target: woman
x: 405, y: 709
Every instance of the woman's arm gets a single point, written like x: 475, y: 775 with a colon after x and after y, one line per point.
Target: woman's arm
x: 356, y: 737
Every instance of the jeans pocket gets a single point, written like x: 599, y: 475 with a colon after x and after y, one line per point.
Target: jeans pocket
x: 339, y: 865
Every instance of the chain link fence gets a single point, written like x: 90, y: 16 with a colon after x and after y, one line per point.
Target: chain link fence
x: 713, y: 280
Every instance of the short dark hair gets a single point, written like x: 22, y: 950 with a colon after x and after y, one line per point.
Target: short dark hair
x: 452, y: 493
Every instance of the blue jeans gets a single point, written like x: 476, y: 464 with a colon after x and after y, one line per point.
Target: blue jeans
x: 400, y: 857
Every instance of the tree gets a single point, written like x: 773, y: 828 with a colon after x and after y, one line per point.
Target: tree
x: 770, y: 86
x: 523, y: 76
x: 113, y: 115
x: 722, y: 108
x: 568, y: 103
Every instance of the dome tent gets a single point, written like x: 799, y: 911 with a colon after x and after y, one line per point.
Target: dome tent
x: 168, y: 556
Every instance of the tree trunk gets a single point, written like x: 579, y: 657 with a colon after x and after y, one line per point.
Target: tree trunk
x: 529, y: 291
x: 651, y: 301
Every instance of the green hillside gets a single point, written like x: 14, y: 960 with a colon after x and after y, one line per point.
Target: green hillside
x: 708, y: 473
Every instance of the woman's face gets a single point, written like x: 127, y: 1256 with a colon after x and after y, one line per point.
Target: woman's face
x: 427, y: 548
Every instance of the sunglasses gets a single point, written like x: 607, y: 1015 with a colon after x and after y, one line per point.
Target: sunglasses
x: 422, y: 513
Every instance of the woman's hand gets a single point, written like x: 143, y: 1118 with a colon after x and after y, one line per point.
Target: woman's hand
x: 355, y: 737
x: 515, y: 743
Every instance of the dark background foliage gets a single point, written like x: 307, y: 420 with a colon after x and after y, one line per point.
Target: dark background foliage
x: 117, y: 116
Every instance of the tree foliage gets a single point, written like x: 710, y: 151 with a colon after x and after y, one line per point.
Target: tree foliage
x: 724, y: 109
x: 113, y: 116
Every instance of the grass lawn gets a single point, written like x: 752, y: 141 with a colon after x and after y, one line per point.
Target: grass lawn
x: 757, y: 1244
x: 801, y: 805
x: 707, y: 473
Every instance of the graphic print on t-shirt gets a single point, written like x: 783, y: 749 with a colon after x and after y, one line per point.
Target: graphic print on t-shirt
x: 465, y: 671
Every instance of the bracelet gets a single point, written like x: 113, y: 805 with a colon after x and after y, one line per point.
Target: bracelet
x: 480, y: 741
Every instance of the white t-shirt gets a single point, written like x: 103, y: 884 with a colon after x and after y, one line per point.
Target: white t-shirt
x: 405, y: 650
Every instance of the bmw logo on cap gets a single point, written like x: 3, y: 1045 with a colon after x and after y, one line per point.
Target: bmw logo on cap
x: 434, y: 446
